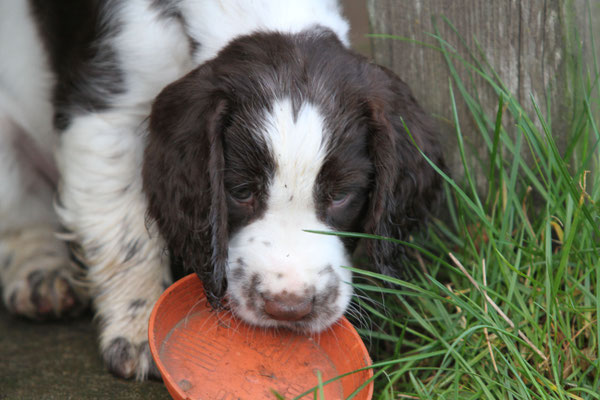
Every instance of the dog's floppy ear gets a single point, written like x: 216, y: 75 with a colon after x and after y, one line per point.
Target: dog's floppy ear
x: 405, y: 186
x: 183, y: 176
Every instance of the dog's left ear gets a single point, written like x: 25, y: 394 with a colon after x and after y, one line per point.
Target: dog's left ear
x: 183, y: 176
x: 405, y: 187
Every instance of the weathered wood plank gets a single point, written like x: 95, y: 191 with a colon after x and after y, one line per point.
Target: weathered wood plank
x: 531, y: 44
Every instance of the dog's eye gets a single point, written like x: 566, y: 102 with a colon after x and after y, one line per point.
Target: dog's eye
x: 242, y: 195
x: 339, y: 199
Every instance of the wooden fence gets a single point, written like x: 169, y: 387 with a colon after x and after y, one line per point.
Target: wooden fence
x: 532, y: 44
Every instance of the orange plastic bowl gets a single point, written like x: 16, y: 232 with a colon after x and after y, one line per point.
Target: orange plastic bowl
x: 202, y: 354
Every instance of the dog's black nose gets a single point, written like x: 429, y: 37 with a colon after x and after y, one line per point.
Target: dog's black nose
x: 288, y: 307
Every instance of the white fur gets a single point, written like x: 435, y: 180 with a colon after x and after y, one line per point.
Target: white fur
x: 214, y: 23
x: 277, y: 246
x: 25, y: 78
x: 103, y: 204
x: 27, y: 220
x: 153, y: 51
x: 100, y: 158
x: 25, y: 108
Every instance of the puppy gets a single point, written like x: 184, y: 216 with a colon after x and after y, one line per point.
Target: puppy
x: 215, y: 134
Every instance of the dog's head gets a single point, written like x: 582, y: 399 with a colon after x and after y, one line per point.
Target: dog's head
x: 280, y: 134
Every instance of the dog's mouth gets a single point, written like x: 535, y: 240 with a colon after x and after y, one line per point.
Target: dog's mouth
x: 307, y: 300
x: 305, y: 315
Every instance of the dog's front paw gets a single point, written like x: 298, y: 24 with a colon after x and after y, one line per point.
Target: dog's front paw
x: 126, y: 359
x: 37, y: 276
x: 124, y: 335
x: 44, y: 294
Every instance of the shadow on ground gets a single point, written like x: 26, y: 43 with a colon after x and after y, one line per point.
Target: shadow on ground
x: 60, y: 360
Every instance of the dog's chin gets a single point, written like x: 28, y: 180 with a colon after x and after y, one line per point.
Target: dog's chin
x: 313, y: 323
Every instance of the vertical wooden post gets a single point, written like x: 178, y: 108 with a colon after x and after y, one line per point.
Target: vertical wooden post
x: 532, y: 45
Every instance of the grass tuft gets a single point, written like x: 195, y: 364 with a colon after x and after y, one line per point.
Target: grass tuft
x: 504, y: 303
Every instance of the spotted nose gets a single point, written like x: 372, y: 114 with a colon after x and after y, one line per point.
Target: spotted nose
x: 288, y: 307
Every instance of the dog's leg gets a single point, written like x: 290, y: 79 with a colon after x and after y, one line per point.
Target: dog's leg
x: 35, y: 271
x: 102, y: 203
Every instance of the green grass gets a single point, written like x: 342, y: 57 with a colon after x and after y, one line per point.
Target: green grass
x: 504, y: 300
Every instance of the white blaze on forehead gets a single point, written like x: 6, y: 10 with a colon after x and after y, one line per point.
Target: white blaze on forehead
x: 275, y: 248
x: 299, y: 148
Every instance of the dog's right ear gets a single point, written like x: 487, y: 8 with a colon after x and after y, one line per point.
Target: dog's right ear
x: 406, y: 188
x: 183, y: 176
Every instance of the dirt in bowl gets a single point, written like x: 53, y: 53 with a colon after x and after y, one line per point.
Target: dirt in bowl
x: 199, y: 350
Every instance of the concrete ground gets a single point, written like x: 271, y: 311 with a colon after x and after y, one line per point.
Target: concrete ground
x: 60, y: 360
